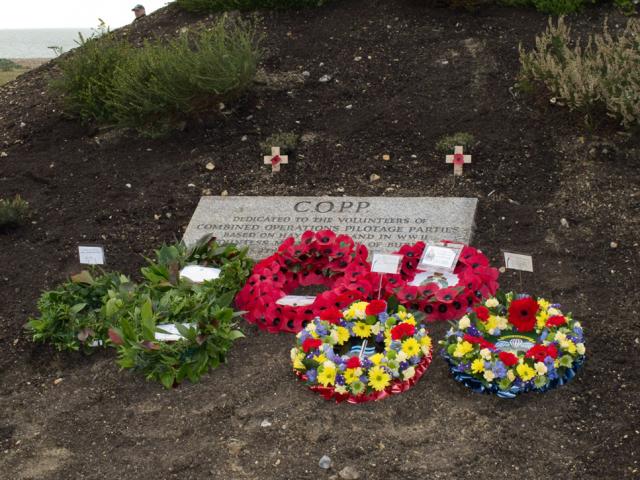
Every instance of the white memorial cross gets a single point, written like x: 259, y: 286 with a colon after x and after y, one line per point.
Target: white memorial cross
x: 458, y: 159
x: 275, y: 159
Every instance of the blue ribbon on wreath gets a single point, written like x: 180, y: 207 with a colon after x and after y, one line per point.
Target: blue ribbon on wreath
x: 479, y: 387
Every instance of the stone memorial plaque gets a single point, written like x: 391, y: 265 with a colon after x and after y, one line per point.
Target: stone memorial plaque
x: 383, y: 224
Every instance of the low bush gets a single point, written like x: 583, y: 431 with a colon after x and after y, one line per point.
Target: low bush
x: 287, y: 141
x: 13, y: 212
x: 153, y: 89
x: 601, y: 77
x: 205, y: 6
x: 200, y: 314
x: 73, y: 316
x: 447, y: 143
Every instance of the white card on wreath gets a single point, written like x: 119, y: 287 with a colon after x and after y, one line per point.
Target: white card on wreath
x: 172, y: 334
x: 198, y: 274
x: 440, y: 257
x: 385, y: 263
x: 296, y: 300
x: 91, y: 255
x: 518, y: 261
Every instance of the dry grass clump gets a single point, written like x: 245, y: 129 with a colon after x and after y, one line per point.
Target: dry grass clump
x: 603, y: 76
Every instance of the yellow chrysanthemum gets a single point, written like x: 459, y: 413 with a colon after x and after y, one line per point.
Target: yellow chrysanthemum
x: 541, y: 318
x: 426, y: 341
x: 352, y: 375
x: 356, y: 310
x: 342, y: 335
x: 327, y: 375
x: 477, y: 366
x: 525, y: 372
x: 297, y: 362
x: 492, y: 323
x: 377, y: 358
x: 569, y: 346
x: 411, y: 347
x: 462, y: 349
x: 410, y: 320
x: 362, y: 330
x: 378, y: 378
x: 402, y: 314
x: 544, y: 304
x: 320, y: 358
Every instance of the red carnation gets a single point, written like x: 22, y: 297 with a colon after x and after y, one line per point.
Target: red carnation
x: 402, y: 330
x: 522, y: 314
x: 376, y: 307
x: 482, y: 312
x: 331, y: 315
x: 311, y: 344
x: 479, y: 340
x: 556, y: 321
x: 508, y: 358
x: 552, y: 351
x: 537, y: 352
x: 353, y: 362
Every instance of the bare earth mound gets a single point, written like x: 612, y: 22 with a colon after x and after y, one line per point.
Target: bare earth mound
x: 411, y: 74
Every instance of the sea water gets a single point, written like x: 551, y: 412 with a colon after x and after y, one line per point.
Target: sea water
x: 36, y: 43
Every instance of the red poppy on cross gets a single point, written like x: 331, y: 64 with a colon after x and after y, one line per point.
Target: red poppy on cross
x: 458, y: 159
x: 275, y: 159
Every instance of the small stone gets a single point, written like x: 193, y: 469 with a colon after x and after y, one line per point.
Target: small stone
x: 325, y: 462
x: 168, y: 214
x: 349, y: 473
x: 128, y: 185
x: 4, y: 154
x: 325, y: 78
x: 614, y: 244
x: 224, y: 193
x: 57, y: 381
x: 156, y: 216
x: 210, y: 166
x: 191, y: 185
x: 564, y: 222
x: 357, y: 59
x: 340, y: 189
x: 206, y: 191
x: 306, y: 73
x: 244, y: 138
x: 22, y: 124
x: 386, y: 157
x: 265, y: 423
x: 349, y: 107
x: 374, y: 177
x: 502, y: 269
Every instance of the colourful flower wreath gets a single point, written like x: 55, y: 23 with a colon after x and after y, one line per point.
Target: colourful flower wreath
x: 475, y: 280
x: 513, y: 344
x: 320, y: 258
x: 332, y: 358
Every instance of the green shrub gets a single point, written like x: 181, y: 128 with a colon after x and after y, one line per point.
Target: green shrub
x: 600, y: 77
x: 73, y: 316
x: 201, y: 313
x: 447, y: 143
x: 154, y: 88
x: 553, y: 7
x: 287, y: 141
x: 7, y: 65
x: 13, y: 212
x: 87, y: 78
x: 205, y: 6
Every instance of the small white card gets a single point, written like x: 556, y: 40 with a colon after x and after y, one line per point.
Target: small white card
x: 172, y: 335
x: 91, y: 255
x: 296, y: 300
x: 445, y: 279
x: 440, y: 258
x: 198, y: 274
x: 385, y: 263
x: 518, y: 261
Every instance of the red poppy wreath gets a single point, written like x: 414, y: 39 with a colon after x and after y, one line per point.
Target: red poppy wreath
x: 442, y: 297
x: 319, y: 258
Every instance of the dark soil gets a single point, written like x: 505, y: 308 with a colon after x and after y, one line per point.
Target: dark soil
x: 423, y: 73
